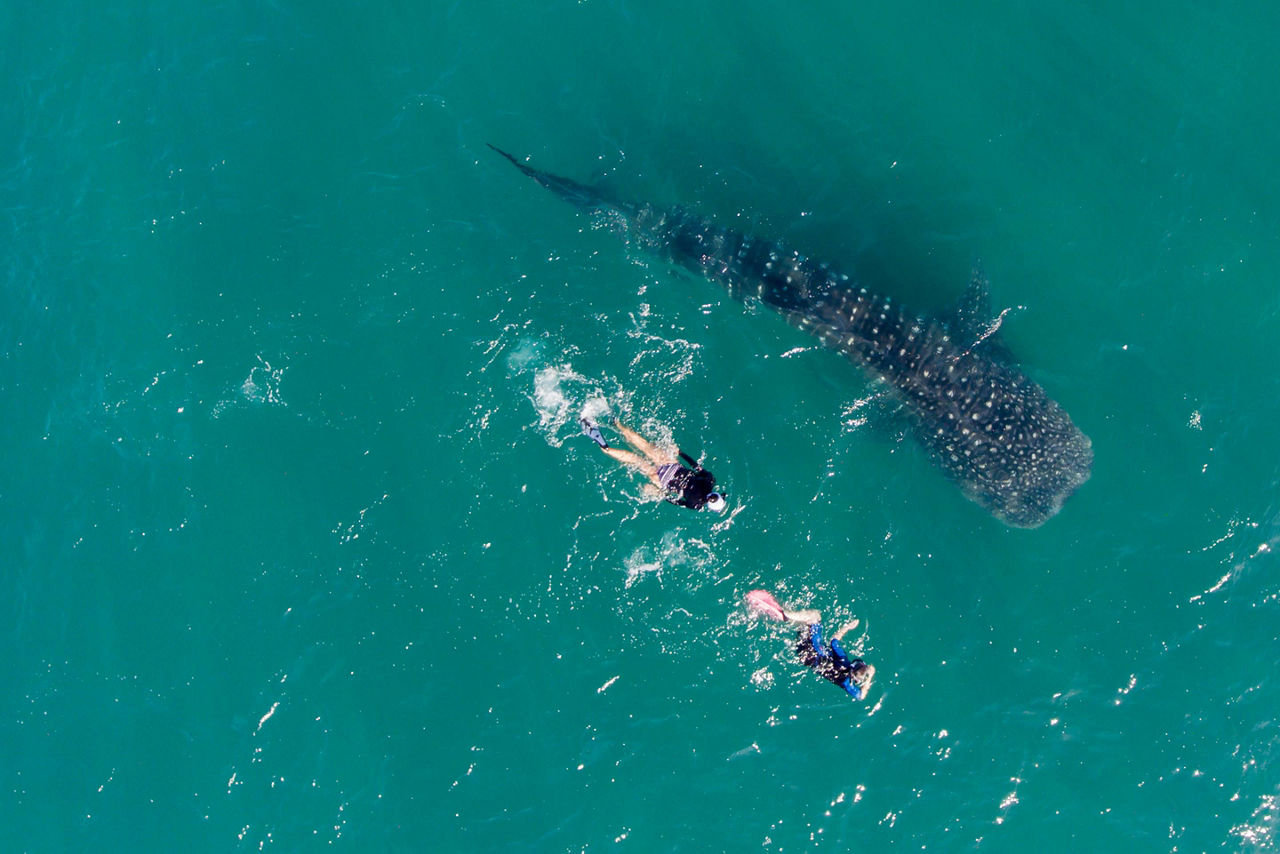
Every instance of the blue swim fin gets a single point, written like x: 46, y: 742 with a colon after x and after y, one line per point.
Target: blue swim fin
x: 591, y: 429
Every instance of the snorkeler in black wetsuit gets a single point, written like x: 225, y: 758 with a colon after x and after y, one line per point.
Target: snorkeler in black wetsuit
x: 830, y: 661
x: 679, y: 479
x: 688, y: 484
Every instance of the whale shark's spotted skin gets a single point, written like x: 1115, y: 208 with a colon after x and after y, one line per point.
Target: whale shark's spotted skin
x: 994, y: 431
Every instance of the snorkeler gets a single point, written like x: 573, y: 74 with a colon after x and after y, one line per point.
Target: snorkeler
x: 678, y: 478
x: 830, y: 661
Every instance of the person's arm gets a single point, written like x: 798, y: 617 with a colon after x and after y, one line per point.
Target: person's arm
x: 852, y: 689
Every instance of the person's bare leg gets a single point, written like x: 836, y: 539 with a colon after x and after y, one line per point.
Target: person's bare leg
x: 847, y: 627
x: 807, y: 616
x: 643, y: 445
x: 627, y: 458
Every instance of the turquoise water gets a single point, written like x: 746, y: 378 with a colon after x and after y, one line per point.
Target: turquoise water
x: 304, y: 547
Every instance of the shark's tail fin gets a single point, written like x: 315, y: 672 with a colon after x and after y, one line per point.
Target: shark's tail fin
x: 578, y: 195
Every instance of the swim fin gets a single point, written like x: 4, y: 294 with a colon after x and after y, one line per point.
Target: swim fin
x: 591, y: 429
x: 762, y: 602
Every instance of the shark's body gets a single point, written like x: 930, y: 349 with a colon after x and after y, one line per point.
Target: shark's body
x: 1010, y: 447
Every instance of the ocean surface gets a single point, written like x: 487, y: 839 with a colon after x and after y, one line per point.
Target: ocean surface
x: 304, y: 549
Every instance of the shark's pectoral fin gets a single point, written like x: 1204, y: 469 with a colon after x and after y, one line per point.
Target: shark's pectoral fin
x: 974, y: 305
x: 972, y: 321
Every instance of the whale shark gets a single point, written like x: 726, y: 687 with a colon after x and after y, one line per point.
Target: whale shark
x: 993, y: 430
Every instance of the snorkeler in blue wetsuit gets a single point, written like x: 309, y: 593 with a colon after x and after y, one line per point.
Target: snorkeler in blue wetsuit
x: 830, y: 661
x: 675, y: 477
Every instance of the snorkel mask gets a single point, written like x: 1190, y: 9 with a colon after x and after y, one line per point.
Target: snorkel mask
x: 715, y: 502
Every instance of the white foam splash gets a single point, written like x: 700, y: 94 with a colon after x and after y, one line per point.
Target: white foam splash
x: 638, y: 568
x: 1120, y: 692
x: 596, y: 408
x: 267, y: 716
x: 561, y: 395
x: 263, y: 384
x: 524, y: 355
x: 675, y: 551
x: 1010, y: 800
x: 261, y: 387
x: 552, y: 397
